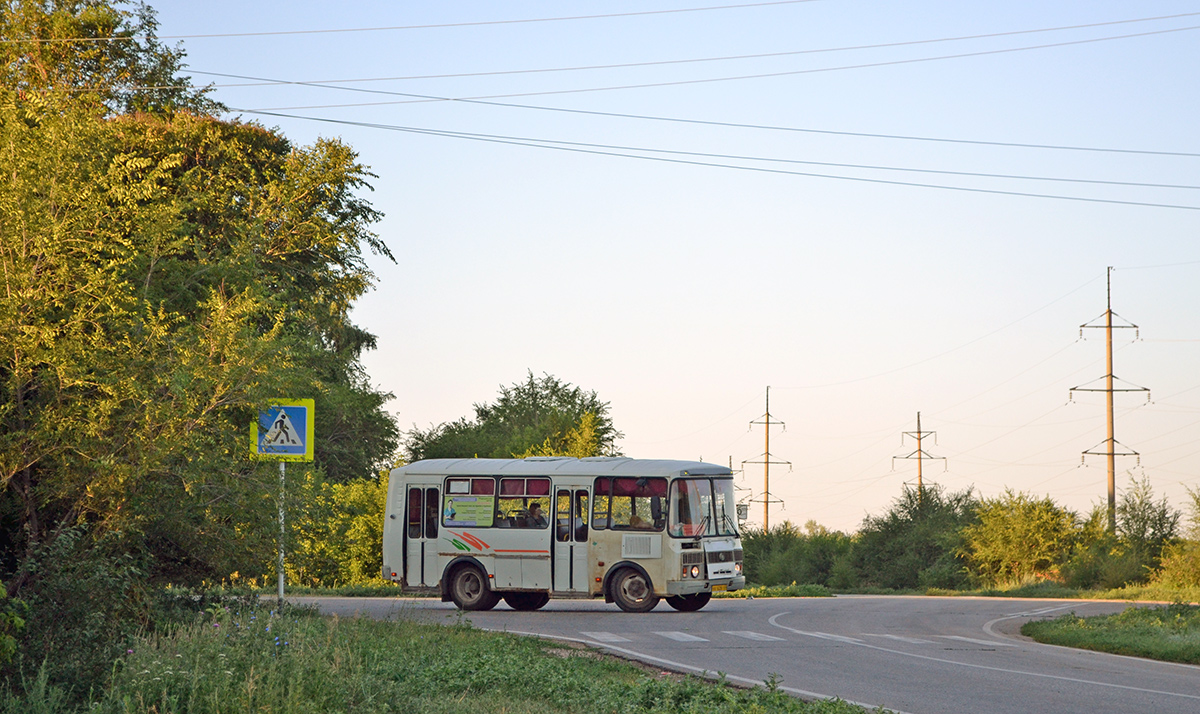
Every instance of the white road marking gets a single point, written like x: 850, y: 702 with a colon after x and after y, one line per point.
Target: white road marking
x: 955, y: 663
x: 911, y: 640
x: 756, y: 636
x: 972, y: 640
x: 680, y: 637
x: 826, y: 636
x: 604, y: 637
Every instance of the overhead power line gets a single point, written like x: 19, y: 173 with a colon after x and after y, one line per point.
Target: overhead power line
x: 725, y: 58
x: 761, y: 169
x: 760, y: 75
x: 709, y: 122
x: 831, y: 164
x: 477, y: 23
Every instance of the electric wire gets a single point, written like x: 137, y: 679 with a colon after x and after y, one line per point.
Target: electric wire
x: 694, y: 60
x: 761, y: 75
x: 724, y: 124
x: 477, y: 23
x: 831, y: 164
x: 758, y: 169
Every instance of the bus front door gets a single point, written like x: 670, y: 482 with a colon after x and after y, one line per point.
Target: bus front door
x: 571, y: 541
x: 421, y: 566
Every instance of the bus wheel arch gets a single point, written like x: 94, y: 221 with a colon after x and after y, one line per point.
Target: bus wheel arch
x: 466, y: 583
x: 630, y: 587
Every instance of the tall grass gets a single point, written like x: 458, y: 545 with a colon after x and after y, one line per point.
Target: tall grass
x: 294, y: 662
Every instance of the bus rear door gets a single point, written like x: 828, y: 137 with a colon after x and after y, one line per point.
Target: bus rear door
x: 421, y: 564
x: 571, y: 540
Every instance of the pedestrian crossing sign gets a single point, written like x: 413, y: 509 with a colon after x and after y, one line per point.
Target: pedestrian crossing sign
x: 284, y: 431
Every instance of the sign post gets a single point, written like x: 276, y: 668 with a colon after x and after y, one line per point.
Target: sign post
x: 283, y: 433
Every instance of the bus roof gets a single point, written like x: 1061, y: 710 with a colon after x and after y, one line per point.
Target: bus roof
x: 565, y: 465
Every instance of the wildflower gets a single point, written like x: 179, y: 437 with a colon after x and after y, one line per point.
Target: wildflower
x: 128, y: 651
x: 216, y: 624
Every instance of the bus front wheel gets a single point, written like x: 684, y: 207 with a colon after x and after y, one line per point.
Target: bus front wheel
x: 469, y: 590
x: 632, y: 591
x: 689, y: 603
x: 526, y: 601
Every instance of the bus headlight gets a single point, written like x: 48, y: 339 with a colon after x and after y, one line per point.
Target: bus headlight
x: 737, y: 567
x: 695, y: 571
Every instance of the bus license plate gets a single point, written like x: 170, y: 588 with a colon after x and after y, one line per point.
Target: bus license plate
x: 719, y: 588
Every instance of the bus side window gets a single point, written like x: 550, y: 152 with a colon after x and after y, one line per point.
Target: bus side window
x: 562, y: 517
x: 414, y: 513
x: 432, y: 511
x: 581, y: 515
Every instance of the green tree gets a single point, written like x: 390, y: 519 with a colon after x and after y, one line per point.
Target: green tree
x: 94, y: 51
x: 337, y: 532
x: 1144, y: 524
x: 1018, y: 536
x: 538, y: 417
x: 165, y: 274
x: 916, y: 544
x: 1180, y: 564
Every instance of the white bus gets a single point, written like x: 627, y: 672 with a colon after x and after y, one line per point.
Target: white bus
x: 632, y: 531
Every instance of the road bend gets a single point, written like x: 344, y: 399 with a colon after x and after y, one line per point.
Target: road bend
x: 918, y: 655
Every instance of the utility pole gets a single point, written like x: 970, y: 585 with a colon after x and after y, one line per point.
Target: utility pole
x: 1110, y: 444
x: 766, y: 421
x: 920, y: 455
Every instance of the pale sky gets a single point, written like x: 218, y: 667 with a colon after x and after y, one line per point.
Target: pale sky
x: 679, y: 291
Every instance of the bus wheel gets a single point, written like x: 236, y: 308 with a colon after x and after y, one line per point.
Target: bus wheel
x: 632, y: 592
x: 526, y: 601
x: 689, y: 603
x: 469, y: 590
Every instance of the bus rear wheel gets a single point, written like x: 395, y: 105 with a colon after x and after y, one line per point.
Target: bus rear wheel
x: 469, y: 590
x: 689, y: 603
x: 632, y: 591
x: 526, y: 601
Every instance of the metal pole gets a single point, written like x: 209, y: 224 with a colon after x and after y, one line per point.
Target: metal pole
x: 282, y: 482
x: 920, y: 454
x: 1112, y: 442
x: 767, y: 467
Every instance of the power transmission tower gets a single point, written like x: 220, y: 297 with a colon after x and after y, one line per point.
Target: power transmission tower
x: 1110, y: 444
x: 766, y: 499
x: 920, y: 455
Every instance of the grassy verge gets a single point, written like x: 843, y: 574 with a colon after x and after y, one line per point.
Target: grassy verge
x: 1170, y: 633
x: 792, y: 590
x: 1048, y: 589
x: 295, y: 662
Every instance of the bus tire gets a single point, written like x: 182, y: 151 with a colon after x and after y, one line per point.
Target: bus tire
x: 689, y: 603
x: 526, y: 601
x: 632, y: 591
x: 469, y: 589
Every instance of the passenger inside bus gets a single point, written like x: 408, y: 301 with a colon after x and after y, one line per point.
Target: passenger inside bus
x: 535, y: 519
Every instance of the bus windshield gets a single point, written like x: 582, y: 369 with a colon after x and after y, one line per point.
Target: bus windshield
x: 702, y: 507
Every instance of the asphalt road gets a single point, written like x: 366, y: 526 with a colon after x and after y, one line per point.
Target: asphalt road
x: 922, y: 655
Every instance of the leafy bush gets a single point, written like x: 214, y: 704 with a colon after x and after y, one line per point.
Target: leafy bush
x: 86, y: 600
x: 337, y: 532
x: 1018, y: 536
x: 785, y: 554
x: 12, y: 621
x: 916, y: 543
x: 1180, y: 563
x: 1145, y: 525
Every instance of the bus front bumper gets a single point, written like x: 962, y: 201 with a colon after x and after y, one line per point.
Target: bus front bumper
x: 692, y: 587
